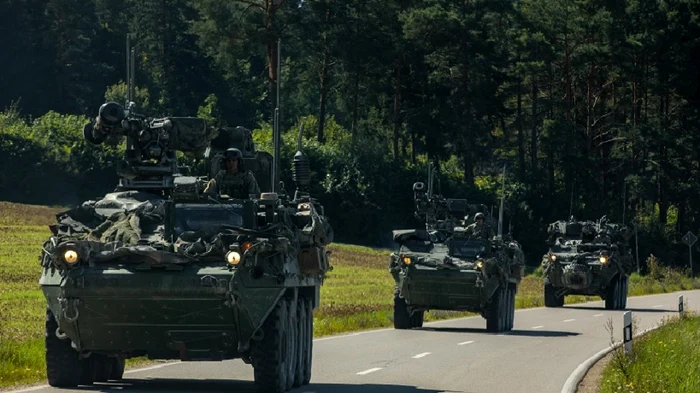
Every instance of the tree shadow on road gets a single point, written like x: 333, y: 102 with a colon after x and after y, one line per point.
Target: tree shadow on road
x: 514, y: 332
x: 227, y: 386
x: 602, y: 309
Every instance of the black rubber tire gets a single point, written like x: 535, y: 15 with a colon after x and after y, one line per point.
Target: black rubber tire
x: 624, y: 292
x: 612, y: 296
x: 118, y: 366
x: 270, y: 354
x: 88, y: 371
x: 103, y: 367
x: 550, y: 296
x: 308, y: 354
x: 417, y: 319
x: 301, y: 342
x: 401, y: 318
x: 495, y: 313
x: 511, y: 311
x: 63, y: 365
x: 293, y: 329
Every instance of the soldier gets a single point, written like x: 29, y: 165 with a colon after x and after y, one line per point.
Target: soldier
x: 233, y: 179
x: 479, y: 229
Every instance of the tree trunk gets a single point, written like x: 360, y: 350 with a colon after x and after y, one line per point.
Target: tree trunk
x: 533, y: 134
x: 397, y: 105
x: 322, y: 95
x: 521, y: 132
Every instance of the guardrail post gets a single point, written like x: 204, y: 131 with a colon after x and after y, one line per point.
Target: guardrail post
x: 680, y: 305
x: 627, y: 331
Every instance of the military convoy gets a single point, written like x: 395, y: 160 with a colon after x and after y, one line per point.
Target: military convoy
x: 442, y: 268
x: 157, y: 268
x: 587, y: 258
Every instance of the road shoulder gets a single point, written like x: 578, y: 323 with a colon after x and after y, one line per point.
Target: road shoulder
x: 591, y: 381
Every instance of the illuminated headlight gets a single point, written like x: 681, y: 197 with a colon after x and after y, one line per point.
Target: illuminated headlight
x: 407, y: 260
x: 233, y: 258
x: 479, y: 264
x: 603, y: 259
x: 552, y: 257
x: 70, y: 257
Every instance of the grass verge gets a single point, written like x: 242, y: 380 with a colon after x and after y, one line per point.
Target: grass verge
x: 357, y: 295
x: 664, y: 360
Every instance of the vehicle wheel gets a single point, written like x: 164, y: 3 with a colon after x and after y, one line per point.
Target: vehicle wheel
x: 88, y: 371
x: 103, y: 367
x: 417, y: 319
x: 63, y: 365
x: 401, y: 318
x: 612, y: 297
x: 118, y: 365
x: 300, y: 342
x: 511, y: 311
x: 496, y: 313
x: 550, y: 296
x: 270, y: 354
x: 623, y: 292
x: 308, y: 353
x: 293, y: 329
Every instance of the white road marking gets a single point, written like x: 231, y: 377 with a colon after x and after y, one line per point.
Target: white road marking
x: 657, y: 306
x: 598, y: 315
x: 537, y: 327
x: 371, y: 370
x: 465, y: 342
x: 569, y: 320
x: 420, y: 355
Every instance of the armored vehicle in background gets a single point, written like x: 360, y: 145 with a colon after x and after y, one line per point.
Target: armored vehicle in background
x: 446, y: 269
x: 158, y: 268
x: 587, y: 258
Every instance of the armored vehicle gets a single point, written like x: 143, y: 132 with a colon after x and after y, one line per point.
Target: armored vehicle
x: 449, y: 269
x: 159, y: 268
x: 587, y: 258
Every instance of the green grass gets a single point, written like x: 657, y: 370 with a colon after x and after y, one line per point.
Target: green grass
x: 357, y: 295
x: 664, y: 360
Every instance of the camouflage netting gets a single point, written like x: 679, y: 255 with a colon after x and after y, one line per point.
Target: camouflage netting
x: 131, y: 223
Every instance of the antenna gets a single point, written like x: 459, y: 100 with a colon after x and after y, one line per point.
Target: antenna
x: 571, y: 203
x: 500, y: 210
x: 430, y: 180
x: 276, y: 124
x: 128, y: 69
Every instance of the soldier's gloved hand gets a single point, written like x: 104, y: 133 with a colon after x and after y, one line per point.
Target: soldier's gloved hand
x: 211, y: 183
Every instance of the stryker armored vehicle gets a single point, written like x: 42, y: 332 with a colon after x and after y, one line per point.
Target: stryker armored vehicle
x: 448, y: 269
x: 587, y: 258
x: 159, y: 268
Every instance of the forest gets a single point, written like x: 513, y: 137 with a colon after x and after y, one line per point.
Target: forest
x: 593, y: 106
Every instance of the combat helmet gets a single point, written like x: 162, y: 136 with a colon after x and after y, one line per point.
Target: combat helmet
x: 478, y: 216
x: 233, y: 153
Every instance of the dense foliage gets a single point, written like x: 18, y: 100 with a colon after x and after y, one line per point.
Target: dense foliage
x: 593, y: 105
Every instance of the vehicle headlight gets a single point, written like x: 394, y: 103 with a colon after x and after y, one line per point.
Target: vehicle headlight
x: 603, y: 259
x: 552, y: 257
x: 70, y: 257
x: 406, y: 260
x: 233, y: 258
x: 479, y: 264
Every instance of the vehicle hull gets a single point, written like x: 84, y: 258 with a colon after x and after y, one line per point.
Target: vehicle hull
x: 198, y: 313
x: 445, y: 289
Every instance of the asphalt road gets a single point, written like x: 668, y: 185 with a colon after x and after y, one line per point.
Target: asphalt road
x: 537, y: 356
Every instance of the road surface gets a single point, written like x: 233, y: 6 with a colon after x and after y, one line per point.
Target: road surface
x: 538, y: 355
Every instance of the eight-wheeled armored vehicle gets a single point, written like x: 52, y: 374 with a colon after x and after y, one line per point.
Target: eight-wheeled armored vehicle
x: 158, y: 268
x: 587, y: 258
x: 448, y: 269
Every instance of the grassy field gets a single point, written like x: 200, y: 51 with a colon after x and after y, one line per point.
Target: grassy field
x: 665, y: 360
x: 356, y: 296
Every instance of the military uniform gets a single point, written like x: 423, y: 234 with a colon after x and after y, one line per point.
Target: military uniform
x: 483, y: 231
x: 236, y: 185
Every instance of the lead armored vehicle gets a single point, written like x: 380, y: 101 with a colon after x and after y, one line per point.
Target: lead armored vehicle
x: 587, y: 258
x: 158, y: 268
x: 441, y: 268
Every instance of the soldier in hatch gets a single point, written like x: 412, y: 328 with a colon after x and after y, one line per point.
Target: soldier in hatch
x: 479, y: 229
x: 233, y: 180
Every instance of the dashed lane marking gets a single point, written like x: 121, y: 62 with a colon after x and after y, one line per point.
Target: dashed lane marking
x: 465, y: 342
x: 371, y: 370
x: 538, y: 327
x: 420, y: 355
x: 569, y: 320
